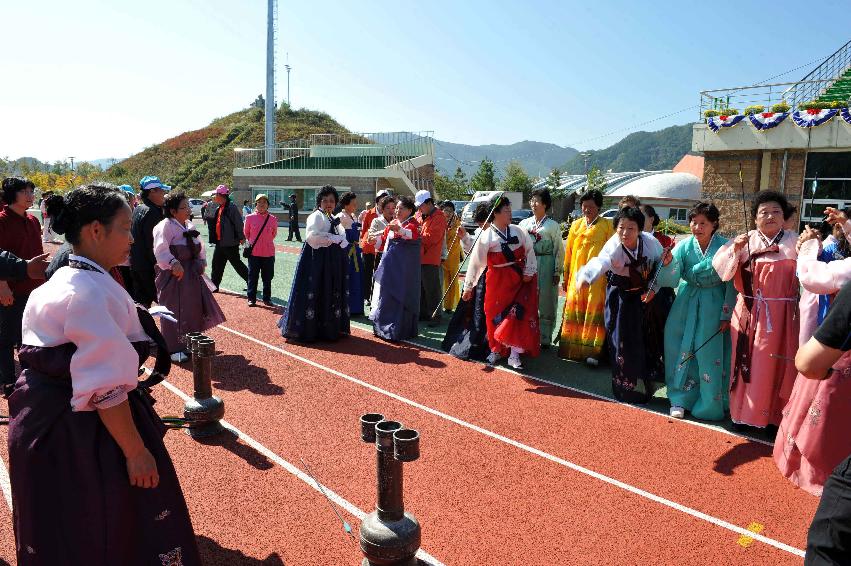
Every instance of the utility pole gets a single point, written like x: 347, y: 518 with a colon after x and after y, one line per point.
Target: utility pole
x: 270, y: 83
x: 288, y: 68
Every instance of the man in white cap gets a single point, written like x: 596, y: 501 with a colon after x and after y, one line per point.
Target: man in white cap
x: 432, y: 231
x: 367, y: 248
x: 145, y: 216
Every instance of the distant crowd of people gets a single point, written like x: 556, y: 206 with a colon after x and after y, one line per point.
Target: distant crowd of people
x: 755, y: 329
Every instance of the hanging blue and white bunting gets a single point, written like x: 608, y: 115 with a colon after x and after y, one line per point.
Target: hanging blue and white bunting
x: 846, y: 115
x: 767, y: 120
x: 812, y: 118
x: 718, y: 122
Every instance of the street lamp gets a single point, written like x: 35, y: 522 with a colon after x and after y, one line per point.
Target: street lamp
x: 287, y: 67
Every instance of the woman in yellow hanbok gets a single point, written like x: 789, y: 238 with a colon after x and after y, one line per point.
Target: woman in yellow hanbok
x: 583, y: 330
x: 452, y: 259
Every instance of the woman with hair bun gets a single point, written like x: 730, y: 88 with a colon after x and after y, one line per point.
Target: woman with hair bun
x: 82, y: 432
x: 181, y: 261
x: 699, y: 318
x: 349, y: 223
x: 318, y: 308
x: 762, y: 264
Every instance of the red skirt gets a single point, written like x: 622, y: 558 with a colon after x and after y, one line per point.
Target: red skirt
x: 511, y: 308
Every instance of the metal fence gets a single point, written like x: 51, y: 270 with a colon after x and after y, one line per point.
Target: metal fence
x: 766, y: 95
x: 340, y: 151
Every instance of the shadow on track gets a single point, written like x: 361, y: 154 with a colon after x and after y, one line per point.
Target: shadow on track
x: 739, y: 455
x: 230, y: 442
x: 386, y: 352
x: 236, y: 373
x: 214, y: 554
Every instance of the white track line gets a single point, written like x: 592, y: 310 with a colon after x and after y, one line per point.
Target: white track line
x: 333, y: 496
x: 5, y: 484
x: 555, y: 459
x: 366, y: 330
x: 591, y: 394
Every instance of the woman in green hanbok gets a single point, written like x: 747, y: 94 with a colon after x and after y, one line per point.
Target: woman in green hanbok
x: 697, y: 338
x: 549, y: 252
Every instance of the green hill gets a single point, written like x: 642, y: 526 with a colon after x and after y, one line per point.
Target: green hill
x: 199, y: 160
x: 639, y: 150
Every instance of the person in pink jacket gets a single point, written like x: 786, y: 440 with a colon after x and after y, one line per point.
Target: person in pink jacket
x: 260, y: 230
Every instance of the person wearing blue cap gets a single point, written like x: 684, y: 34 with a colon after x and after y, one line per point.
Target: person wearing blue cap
x: 147, y: 214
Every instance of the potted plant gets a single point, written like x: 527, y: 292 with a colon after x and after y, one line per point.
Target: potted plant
x: 781, y: 107
x: 755, y: 109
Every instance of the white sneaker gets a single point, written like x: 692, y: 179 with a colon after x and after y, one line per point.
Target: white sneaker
x: 593, y: 362
x: 179, y: 357
x: 677, y: 412
x: 493, y: 358
x: 514, y: 361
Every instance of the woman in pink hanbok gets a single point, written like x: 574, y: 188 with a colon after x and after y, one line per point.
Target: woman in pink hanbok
x: 762, y: 265
x: 813, y: 436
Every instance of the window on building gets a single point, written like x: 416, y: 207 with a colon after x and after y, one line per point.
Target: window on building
x: 280, y: 196
x: 829, y: 173
x: 678, y: 215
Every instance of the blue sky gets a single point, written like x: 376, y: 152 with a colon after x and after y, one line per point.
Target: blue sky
x: 97, y: 78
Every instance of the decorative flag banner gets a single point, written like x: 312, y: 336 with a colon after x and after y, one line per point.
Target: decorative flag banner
x: 718, y: 122
x: 846, y: 115
x: 767, y: 120
x: 812, y: 118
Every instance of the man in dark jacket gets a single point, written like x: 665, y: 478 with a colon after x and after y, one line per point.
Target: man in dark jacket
x: 145, y: 216
x: 208, y: 214
x: 293, y: 207
x: 229, y: 235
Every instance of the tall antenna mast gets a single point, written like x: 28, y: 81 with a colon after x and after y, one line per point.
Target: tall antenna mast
x: 270, y: 83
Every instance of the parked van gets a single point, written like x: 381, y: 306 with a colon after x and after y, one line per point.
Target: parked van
x: 479, y: 197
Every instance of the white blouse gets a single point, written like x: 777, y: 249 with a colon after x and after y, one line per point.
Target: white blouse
x: 346, y: 219
x: 319, y: 235
x: 375, y: 234
x: 92, y: 311
x: 169, y: 232
x: 491, y: 241
x: 614, y: 258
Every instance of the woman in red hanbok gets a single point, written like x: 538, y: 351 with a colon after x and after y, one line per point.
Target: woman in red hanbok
x: 511, y: 296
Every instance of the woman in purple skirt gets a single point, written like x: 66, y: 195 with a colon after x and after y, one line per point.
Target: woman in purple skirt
x: 181, y: 261
x: 92, y: 482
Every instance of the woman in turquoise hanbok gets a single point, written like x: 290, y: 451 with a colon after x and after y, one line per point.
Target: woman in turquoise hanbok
x: 697, y: 338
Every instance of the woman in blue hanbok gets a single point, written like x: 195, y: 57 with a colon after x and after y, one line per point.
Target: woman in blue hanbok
x: 697, y: 341
x: 349, y: 223
x: 318, y: 308
x: 396, y: 289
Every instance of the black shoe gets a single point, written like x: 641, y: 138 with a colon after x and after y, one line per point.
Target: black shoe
x: 7, y: 389
x: 434, y: 323
x: 269, y: 303
x: 252, y: 303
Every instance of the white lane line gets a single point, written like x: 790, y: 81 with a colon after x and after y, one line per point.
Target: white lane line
x: 555, y: 459
x: 5, y: 484
x: 367, y: 330
x: 333, y: 496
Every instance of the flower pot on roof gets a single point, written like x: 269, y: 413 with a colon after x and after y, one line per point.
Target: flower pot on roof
x: 814, y: 113
x: 723, y: 118
x: 762, y: 120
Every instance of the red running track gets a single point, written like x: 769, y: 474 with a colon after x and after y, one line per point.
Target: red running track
x: 480, y: 499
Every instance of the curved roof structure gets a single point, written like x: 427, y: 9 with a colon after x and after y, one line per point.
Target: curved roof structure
x: 668, y: 185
